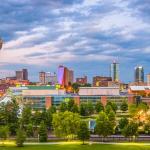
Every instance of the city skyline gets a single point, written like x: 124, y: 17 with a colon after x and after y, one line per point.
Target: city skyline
x: 83, y: 35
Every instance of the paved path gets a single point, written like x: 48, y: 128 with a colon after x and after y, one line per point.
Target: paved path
x: 90, y: 143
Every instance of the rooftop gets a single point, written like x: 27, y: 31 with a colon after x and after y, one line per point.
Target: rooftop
x: 139, y: 88
x: 41, y: 87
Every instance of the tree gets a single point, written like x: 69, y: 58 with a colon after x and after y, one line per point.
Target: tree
x: 90, y: 108
x: 130, y: 130
x: 108, y: 109
x: 49, y: 118
x: 114, y: 107
x: 44, y: 116
x: 147, y: 128
x: 63, y: 107
x: 29, y: 130
x: 70, y: 104
x: 20, y: 138
x: 124, y: 106
x: 66, y: 124
x: 123, y: 122
x: 112, y: 118
x: 4, y: 132
x: 26, y: 116
x: 135, y: 109
x: 42, y: 132
x: 75, y: 108
x: 52, y: 109
x: 37, y: 117
x: 75, y: 87
x: 99, y: 107
x: 83, y: 132
x: 83, y: 109
x: 11, y: 110
x: 103, y: 125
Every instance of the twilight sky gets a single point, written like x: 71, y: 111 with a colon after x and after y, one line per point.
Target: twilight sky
x: 85, y: 35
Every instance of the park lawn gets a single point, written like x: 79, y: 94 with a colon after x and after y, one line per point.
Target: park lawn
x: 81, y: 147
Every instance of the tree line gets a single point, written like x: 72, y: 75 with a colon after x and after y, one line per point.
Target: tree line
x: 67, y: 121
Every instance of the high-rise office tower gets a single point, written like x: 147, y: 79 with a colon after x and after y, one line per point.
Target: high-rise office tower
x: 114, y: 71
x: 25, y: 74
x: 22, y: 75
x: 42, y: 77
x: 65, y: 76
x: 50, y: 78
x: 139, y: 74
x: 19, y: 75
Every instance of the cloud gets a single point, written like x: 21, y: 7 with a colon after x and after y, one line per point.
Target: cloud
x: 61, y: 31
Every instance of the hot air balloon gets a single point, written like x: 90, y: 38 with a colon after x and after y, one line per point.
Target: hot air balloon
x: 1, y: 43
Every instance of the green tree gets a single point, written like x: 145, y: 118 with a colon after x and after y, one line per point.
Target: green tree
x: 44, y: 115
x: 112, y: 118
x: 90, y: 108
x: 108, y: 109
x: 49, y: 118
x: 42, y: 132
x: 99, y: 107
x: 66, y: 124
x: 70, y: 105
x: 131, y: 130
x: 4, y: 132
x: 83, y: 109
x: 83, y: 132
x: 52, y: 109
x: 114, y: 107
x: 20, y: 138
x: 103, y: 125
x: 123, y: 122
x: 12, y: 110
x: 75, y: 108
x: 63, y: 107
x: 147, y: 128
x: 134, y: 109
x: 75, y: 87
x: 124, y: 106
x: 26, y: 116
x: 29, y: 130
x: 37, y: 117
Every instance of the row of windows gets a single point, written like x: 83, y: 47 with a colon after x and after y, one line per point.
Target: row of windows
x: 40, y: 101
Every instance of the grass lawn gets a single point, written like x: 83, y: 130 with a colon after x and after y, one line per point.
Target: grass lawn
x: 80, y: 147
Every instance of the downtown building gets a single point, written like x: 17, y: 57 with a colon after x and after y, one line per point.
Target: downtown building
x: 22, y: 75
x: 47, y: 78
x: 114, y: 71
x: 39, y: 97
x: 65, y: 76
x: 101, y: 81
x: 139, y: 74
x: 81, y: 80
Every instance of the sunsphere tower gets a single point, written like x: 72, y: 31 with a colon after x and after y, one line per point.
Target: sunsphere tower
x: 139, y: 74
x: 114, y: 71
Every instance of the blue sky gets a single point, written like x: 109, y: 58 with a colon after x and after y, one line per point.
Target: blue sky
x: 85, y: 35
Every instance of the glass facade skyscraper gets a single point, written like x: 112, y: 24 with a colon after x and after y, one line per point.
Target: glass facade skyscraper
x: 114, y: 71
x: 139, y: 74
